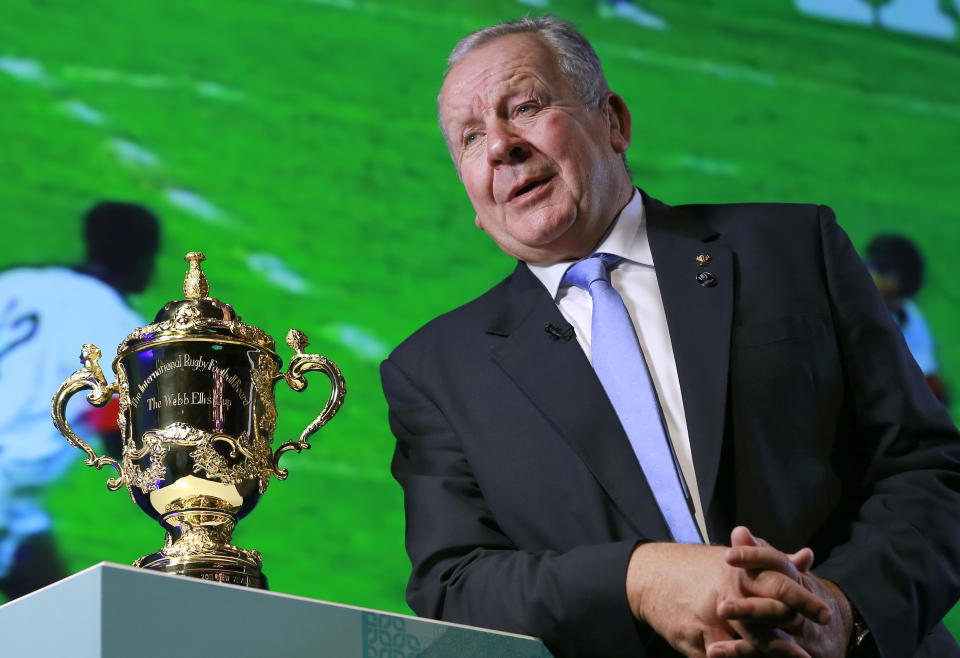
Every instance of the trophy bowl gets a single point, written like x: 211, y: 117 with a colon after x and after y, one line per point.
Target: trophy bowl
x: 197, y: 416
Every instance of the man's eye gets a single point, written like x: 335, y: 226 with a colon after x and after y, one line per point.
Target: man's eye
x: 471, y: 138
x: 526, y: 108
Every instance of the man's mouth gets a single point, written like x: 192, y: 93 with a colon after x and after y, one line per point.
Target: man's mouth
x: 529, y: 186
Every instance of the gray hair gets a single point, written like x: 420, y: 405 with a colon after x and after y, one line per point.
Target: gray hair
x: 576, y: 59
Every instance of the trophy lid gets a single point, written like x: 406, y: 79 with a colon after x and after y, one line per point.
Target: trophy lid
x: 196, y: 317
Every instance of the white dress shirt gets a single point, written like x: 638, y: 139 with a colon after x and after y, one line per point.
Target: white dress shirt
x: 635, y: 278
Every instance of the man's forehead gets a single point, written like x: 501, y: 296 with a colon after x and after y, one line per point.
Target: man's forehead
x: 486, y: 90
x: 511, y: 63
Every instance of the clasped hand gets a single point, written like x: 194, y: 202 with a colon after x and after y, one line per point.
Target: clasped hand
x: 746, y: 600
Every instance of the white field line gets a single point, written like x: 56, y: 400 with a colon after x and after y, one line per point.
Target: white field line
x: 703, y: 164
x: 29, y: 70
x: 132, y: 154
x: 206, y: 88
x: 217, y: 90
x: 358, y: 340
x: 83, y: 112
x: 194, y: 204
x: 277, y: 272
x: 689, y: 64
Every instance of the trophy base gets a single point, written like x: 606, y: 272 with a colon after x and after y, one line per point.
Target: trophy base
x: 198, y: 545
x: 217, y: 568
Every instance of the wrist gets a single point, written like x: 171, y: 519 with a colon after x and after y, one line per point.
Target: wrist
x: 641, y: 574
x: 859, y: 640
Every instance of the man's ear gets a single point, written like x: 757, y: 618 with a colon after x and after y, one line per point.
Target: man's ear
x: 476, y: 220
x: 620, y: 123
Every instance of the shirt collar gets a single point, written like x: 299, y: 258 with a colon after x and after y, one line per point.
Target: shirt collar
x: 626, y: 238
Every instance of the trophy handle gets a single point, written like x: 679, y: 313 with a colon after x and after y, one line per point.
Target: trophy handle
x: 89, y: 376
x: 302, y: 363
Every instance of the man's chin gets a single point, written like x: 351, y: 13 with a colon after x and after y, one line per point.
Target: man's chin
x: 541, y: 227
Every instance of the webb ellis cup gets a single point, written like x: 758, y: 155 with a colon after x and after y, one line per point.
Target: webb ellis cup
x: 197, y: 416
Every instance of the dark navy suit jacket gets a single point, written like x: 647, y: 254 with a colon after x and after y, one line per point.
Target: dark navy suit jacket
x: 809, y: 422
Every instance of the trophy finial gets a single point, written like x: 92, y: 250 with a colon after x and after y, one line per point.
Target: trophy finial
x: 195, y: 284
x: 297, y: 340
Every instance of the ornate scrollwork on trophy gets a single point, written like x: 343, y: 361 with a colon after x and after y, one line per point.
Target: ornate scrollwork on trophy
x: 89, y: 376
x: 255, y: 464
x: 264, y: 378
x: 123, y: 397
x: 188, y: 319
x: 252, y: 462
x: 154, y: 447
x: 123, y: 423
x: 300, y: 364
x: 205, y: 526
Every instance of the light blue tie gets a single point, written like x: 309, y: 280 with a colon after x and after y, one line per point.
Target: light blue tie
x: 621, y: 368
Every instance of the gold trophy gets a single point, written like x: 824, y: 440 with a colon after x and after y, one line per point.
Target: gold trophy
x: 197, y: 416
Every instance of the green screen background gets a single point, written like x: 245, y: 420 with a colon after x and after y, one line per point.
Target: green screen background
x: 295, y: 143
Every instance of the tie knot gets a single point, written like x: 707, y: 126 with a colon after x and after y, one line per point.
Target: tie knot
x: 594, y: 267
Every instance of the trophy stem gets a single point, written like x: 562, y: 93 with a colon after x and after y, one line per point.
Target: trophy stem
x: 199, y: 530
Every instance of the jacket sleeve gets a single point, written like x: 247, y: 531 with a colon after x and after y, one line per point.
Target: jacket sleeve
x: 900, y: 561
x: 466, y: 570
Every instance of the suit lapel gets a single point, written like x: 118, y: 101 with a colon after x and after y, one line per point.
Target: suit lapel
x: 557, y: 378
x: 699, y: 319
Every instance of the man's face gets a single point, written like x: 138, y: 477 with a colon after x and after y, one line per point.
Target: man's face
x: 543, y: 171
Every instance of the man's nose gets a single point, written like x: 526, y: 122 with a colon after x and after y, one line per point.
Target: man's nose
x: 504, y: 145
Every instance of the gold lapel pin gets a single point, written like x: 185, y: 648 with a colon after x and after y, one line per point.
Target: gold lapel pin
x: 703, y: 259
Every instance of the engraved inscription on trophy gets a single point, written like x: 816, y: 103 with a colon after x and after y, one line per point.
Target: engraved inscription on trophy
x: 197, y: 416
x: 181, y: 398
x: 191, y: 397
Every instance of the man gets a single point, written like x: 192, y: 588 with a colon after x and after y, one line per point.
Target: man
x: 588, y: 502
x: 897, y: 267
x: 46, y: 314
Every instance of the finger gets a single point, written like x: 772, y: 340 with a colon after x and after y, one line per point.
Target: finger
x: 691, y: 651
x: 769, y: 640
x: 731, y: 648
x: 770, y: 573
x: 771, y: 584
x: 783, y: 647
x: 760, y: 610
x: 802, y: 559
x: 741, y: 536
x: 778, y: 646
x: 697, y: 648
x: 761, y: 559
x: 717, y: 636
